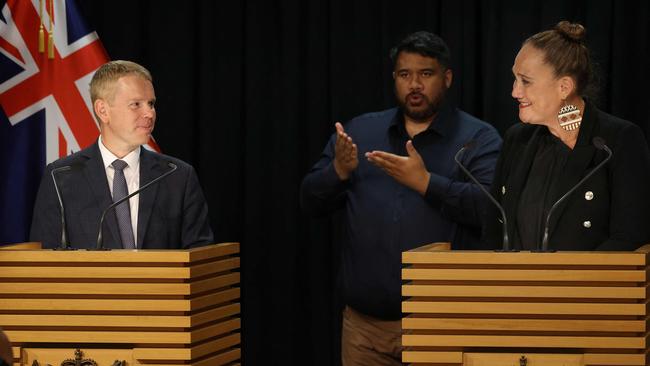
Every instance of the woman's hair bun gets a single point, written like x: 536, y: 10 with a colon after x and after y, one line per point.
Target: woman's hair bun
x: 573, y: 31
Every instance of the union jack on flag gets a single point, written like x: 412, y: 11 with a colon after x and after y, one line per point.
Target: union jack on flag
x: 45, y: 103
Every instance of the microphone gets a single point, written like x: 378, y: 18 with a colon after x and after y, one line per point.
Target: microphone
x: 469, y: 145
x: 100, y: 244
x: 599, y: 143
x: 64, y: 237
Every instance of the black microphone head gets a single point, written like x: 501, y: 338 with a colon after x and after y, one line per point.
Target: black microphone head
x: 599, y: 142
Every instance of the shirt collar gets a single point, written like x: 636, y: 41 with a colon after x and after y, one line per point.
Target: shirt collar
x: 442, y: 123
x: 132, y: 158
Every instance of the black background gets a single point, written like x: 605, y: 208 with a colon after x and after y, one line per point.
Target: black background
x: 248, y: 92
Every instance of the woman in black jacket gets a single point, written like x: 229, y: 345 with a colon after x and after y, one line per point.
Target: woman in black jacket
x: 547, y: 155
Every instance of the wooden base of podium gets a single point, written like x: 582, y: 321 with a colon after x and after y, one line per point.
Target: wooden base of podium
x: 144, y: 307
x: 487, y: 308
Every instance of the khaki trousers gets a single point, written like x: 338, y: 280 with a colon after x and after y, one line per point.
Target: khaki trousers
x: 367, y: 341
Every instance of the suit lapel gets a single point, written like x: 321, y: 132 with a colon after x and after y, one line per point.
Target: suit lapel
x: 96, y: 176
x: 576, y: 165
x: 150, y: 169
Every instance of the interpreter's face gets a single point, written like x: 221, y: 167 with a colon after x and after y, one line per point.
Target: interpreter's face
x: 536, y: 88
x: 131, y: 114
x: 420, y: 85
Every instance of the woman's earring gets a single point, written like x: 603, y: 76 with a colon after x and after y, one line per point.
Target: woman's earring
x: 569, y: 117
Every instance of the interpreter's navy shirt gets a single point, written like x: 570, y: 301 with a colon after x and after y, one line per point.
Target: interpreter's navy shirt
x: 385, y: 218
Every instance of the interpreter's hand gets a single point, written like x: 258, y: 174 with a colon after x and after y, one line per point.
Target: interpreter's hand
x: 407, y: 170
x: 345, y: 151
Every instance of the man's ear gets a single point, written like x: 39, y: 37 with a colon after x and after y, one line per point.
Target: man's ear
x: 449, y: 76
x: 101, y: 109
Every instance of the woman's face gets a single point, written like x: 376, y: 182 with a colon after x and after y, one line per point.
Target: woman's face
x: 536, y: 88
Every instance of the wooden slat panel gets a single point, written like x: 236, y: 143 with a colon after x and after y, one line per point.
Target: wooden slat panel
x: 15, y: 351
x: 614, y: 359
x: 559, y: 258
x: 22, y: 336
x: 95, y: 288
x: 216, y: 345
x: 51, y: 320
x: 221, y: 359
x: 564, y: 325
x: 214, y: 282
x: 143, y: 321
x: 522, y: 275
x: 94, y: 305
x: 224, y: 280
x: 214, y: 267
x: 523, y: 341
x: 213, y: 251
x: 522, y: 308
x: 83, y: 256
x: 215, y: 314
x: 437, y: 357
x: 117, y: 255
x: 151, y: 354
x: 96, y: 272
x: 216, y: 330
x: 525, y: 291
x: 230, y: 294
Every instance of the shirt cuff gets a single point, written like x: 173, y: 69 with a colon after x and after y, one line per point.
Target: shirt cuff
x: 437, y: 189
x: 331, y: 179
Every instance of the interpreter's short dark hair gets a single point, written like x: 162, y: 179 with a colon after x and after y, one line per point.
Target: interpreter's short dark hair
x: 425, y: 44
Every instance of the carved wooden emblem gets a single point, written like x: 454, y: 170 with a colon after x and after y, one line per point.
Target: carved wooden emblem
x: 78, y: 361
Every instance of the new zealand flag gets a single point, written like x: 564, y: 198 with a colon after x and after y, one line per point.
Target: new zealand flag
x: 45, y: 103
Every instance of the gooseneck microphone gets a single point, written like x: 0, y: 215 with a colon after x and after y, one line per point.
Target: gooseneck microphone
x: 469, y: 145
x: 599, y: 143
x: 64, y: 245
x: 100, y: 243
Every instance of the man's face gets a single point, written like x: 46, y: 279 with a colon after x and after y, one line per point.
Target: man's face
x: 420, y: 85
x: 128, y: 116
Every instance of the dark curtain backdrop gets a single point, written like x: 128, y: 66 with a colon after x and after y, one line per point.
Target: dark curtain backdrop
x: 248, y: 92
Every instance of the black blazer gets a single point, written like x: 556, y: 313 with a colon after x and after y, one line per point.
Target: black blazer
x: 613, y: 216
x: 172, y: 214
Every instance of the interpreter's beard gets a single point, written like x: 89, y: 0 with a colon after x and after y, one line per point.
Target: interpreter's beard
x: 425, y: 109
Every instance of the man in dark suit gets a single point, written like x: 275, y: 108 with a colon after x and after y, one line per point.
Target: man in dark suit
x: 171, y: 214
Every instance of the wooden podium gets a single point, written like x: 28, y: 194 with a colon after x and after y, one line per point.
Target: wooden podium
x: 524, y: 309
x: 121, y: 307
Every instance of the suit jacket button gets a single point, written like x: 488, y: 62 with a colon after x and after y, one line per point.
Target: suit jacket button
x: 503, y: 189
x: 587, y: 224
x: 589, y: 195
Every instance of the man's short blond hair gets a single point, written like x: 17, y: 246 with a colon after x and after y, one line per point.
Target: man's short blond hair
x: 107, y: 75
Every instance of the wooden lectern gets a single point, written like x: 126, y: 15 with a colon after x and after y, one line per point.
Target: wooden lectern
x: 523, y: 308
x: 121, y: 307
